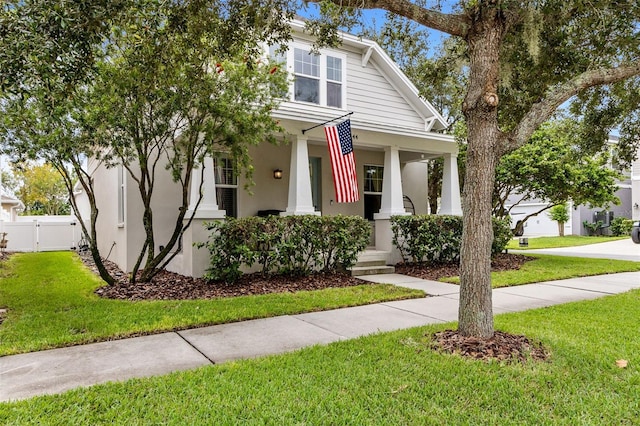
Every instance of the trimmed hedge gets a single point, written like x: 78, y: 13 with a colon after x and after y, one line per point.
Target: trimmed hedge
x: 296, y: 245
x: 621, y: 226
x: 437, y: 239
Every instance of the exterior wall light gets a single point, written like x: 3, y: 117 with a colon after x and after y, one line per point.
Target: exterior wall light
x: 277, y: 174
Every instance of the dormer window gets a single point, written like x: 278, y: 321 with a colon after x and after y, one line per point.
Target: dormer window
x: 318, y: 78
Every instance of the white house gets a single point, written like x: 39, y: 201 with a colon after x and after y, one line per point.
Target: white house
x: 394, y: 133
x: 635, y: 188
x: 628, y: 192
x: 10, y: 207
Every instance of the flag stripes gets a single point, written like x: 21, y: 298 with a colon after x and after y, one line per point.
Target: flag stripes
x: 343, y: 163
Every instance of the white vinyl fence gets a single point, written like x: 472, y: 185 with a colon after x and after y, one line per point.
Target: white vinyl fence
x: 41, y: 235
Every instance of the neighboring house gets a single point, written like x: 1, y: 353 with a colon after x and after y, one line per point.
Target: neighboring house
x: 635, y: 188
x: 10, y: 208
x: 542, y: 225
x: 394, y: 133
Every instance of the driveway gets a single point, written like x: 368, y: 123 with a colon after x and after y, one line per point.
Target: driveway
x: 619, y: 250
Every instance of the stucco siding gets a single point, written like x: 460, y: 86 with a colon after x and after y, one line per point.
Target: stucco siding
x: 111, y: 236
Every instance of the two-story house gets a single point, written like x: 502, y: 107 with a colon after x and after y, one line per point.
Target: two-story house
x: 394, y: 132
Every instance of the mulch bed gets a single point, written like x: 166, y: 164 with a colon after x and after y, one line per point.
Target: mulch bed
x: 502, y: 347
x: 502, y: 262
x: 171, y: 286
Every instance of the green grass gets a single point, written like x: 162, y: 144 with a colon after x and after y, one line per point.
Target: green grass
x: 392, y: 378
x: 50, y: 303
x: 549, y: 268
x: 557, y: 242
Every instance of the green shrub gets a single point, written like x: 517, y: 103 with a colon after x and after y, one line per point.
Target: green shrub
x: 501, y: 234
x: 296, y: 245
x: 435, y: 238
x: 593, y: 228
x: 621, y: 226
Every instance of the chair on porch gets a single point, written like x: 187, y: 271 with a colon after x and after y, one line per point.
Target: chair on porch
x: 409, y: 207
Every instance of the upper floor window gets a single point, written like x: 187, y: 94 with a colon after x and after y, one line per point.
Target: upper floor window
x: 319, y: 78
x: 307, y: 80
x: 334, y: 82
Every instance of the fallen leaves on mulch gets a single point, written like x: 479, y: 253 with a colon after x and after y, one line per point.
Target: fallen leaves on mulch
x: 171, y: 286
x: 502, y: 262
x: 502, y: 347
x: 168, y: 285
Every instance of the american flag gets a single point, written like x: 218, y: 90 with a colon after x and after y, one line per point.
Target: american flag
x: 343, y: 163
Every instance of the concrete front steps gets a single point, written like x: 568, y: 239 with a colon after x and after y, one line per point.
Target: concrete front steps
x: 372, y: 262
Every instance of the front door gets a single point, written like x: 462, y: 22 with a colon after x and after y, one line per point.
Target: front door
x: 315, y: 172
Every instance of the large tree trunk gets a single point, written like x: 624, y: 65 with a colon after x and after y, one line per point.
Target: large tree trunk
x: 475, y: 311
x: 480, y: 108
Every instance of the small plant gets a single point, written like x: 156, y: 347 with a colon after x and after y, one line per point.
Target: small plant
x: 621, y: 226
x: 560, y: 213
x: 593, y: 228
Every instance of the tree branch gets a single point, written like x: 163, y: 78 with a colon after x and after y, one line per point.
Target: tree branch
x: 456, y: 25
x: 542, y: 111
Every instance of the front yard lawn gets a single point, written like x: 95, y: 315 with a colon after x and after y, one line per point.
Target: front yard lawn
x: 557, y: 242
x: 50, y: 303
x: 550, y: 268
x: 390, y: 379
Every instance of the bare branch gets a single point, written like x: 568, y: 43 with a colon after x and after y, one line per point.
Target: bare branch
x: 542, y: 111
x: 453, y: 24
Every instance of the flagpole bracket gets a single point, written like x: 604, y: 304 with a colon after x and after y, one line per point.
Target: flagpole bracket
x: 328, y: 121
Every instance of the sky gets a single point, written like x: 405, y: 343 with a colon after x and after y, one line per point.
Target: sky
x: 376, y: 18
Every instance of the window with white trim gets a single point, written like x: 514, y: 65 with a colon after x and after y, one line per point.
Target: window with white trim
x: 121, y: 182
x: 226, y: 185
x: 373, y: 176
x: 334, y: 82
x: 306, y: 86
x: 319, y: 78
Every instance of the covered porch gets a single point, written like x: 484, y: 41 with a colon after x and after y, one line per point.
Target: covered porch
x: 295, y: 178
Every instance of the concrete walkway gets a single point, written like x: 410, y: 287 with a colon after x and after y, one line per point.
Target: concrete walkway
x: 58, y: 370
x: 619, y: 250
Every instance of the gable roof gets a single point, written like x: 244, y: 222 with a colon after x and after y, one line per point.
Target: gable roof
x: 371, y: 51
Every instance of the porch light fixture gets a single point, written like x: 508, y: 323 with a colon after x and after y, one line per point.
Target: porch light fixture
x: 635, y: 205
x: 277, y: 174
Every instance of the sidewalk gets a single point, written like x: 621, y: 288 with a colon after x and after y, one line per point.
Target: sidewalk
x: 58, y: 370
x: 619, y: 250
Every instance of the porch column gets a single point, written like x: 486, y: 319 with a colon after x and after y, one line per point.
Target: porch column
x: 392, y: 203
x: 450, y: 198
x: 193, y: 261
x: 300, y: 201
x: 208, y: 208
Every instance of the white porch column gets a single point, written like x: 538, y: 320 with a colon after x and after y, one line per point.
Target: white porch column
x: 192, y: 261
x: 392, y: 203
x: 208, y: 208
x: 300, y: 200
x: 450, y: 198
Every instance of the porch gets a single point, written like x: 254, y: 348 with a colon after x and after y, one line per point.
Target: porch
x: 296, y: 179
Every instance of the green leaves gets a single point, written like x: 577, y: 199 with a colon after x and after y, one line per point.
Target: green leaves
x: 295, y: 245
x: 557, y: 165
x: 437, y: 238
